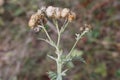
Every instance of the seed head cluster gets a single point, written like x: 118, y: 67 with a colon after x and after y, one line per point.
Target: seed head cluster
x: 56, y: 12
x: 86, y: 27
x: 40, y: 17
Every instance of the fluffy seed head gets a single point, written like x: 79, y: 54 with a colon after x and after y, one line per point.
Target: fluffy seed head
x: 50, y: 11
x: 65, y: 12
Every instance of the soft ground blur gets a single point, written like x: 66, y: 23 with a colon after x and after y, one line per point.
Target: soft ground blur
x: 23, y: 56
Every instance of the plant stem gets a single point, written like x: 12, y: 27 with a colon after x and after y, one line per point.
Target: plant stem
x: 58, y: 32
x: 64, y: 26
x: 47, y: 33
x: 76, y: 42
x: 73, y: 47
x: 58, y: 41
x: 59, y: 67
x: 58, y: 61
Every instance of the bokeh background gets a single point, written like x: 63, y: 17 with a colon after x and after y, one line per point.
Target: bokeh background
x: 23, y: 56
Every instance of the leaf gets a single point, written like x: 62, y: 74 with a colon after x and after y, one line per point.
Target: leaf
x: 70, y: 64
x: 80, y: 59
x: 52, y: 75
x: 76, y: 53
x: 46, y: 27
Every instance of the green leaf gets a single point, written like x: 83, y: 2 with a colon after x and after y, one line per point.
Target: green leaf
x: 76, y: 53
x: 80, y: 59
x: 46, y: 27
x: 70, y: 64
x: 52, y: 75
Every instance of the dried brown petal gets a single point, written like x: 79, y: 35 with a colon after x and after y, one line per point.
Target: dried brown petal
x: 71, y: 16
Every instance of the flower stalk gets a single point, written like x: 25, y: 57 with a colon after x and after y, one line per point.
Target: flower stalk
x: 59, y: 67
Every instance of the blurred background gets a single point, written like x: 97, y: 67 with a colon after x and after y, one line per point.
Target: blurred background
x: 23, y: 56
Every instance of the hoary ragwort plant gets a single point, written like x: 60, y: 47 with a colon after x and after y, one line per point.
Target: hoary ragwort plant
x: 38, y: 21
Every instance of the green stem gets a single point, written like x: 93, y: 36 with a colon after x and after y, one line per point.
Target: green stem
x: 76, y: 43
x: 58, y: 31
x: 73, y: 47
x: 43, y: 27
x: 59, y: 67
x: 58, y: 41
x: 64, y: 26
x: 59, y: 34
x: 58, y: 61
x: 47, y: 33
x: 47, y: 41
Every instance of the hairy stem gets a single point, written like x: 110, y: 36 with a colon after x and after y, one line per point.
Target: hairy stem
x: 47, y: 33
x: 59, y: 67
x: 58, y: 32
x: 58, y: 61
x: 64, y: 26
x: 76, y: 42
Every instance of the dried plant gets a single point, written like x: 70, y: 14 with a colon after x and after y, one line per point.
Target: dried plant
x: 39, y: 20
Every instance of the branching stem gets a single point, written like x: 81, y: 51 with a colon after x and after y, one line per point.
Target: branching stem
x: 77, y: 39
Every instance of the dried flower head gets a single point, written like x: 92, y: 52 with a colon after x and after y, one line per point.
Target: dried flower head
x: 50, y: 11
x: 57, y: 13
x: 65, y: 12
x: 86, y: 27
x: 37, y: 19
x: 71, y: 16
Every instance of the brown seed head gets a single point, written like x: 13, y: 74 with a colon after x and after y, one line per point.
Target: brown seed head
x: 71, y: 16
x: 37, y: 19
x: 86, y: 27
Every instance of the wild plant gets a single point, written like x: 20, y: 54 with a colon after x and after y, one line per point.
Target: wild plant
x: 39, y: 20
